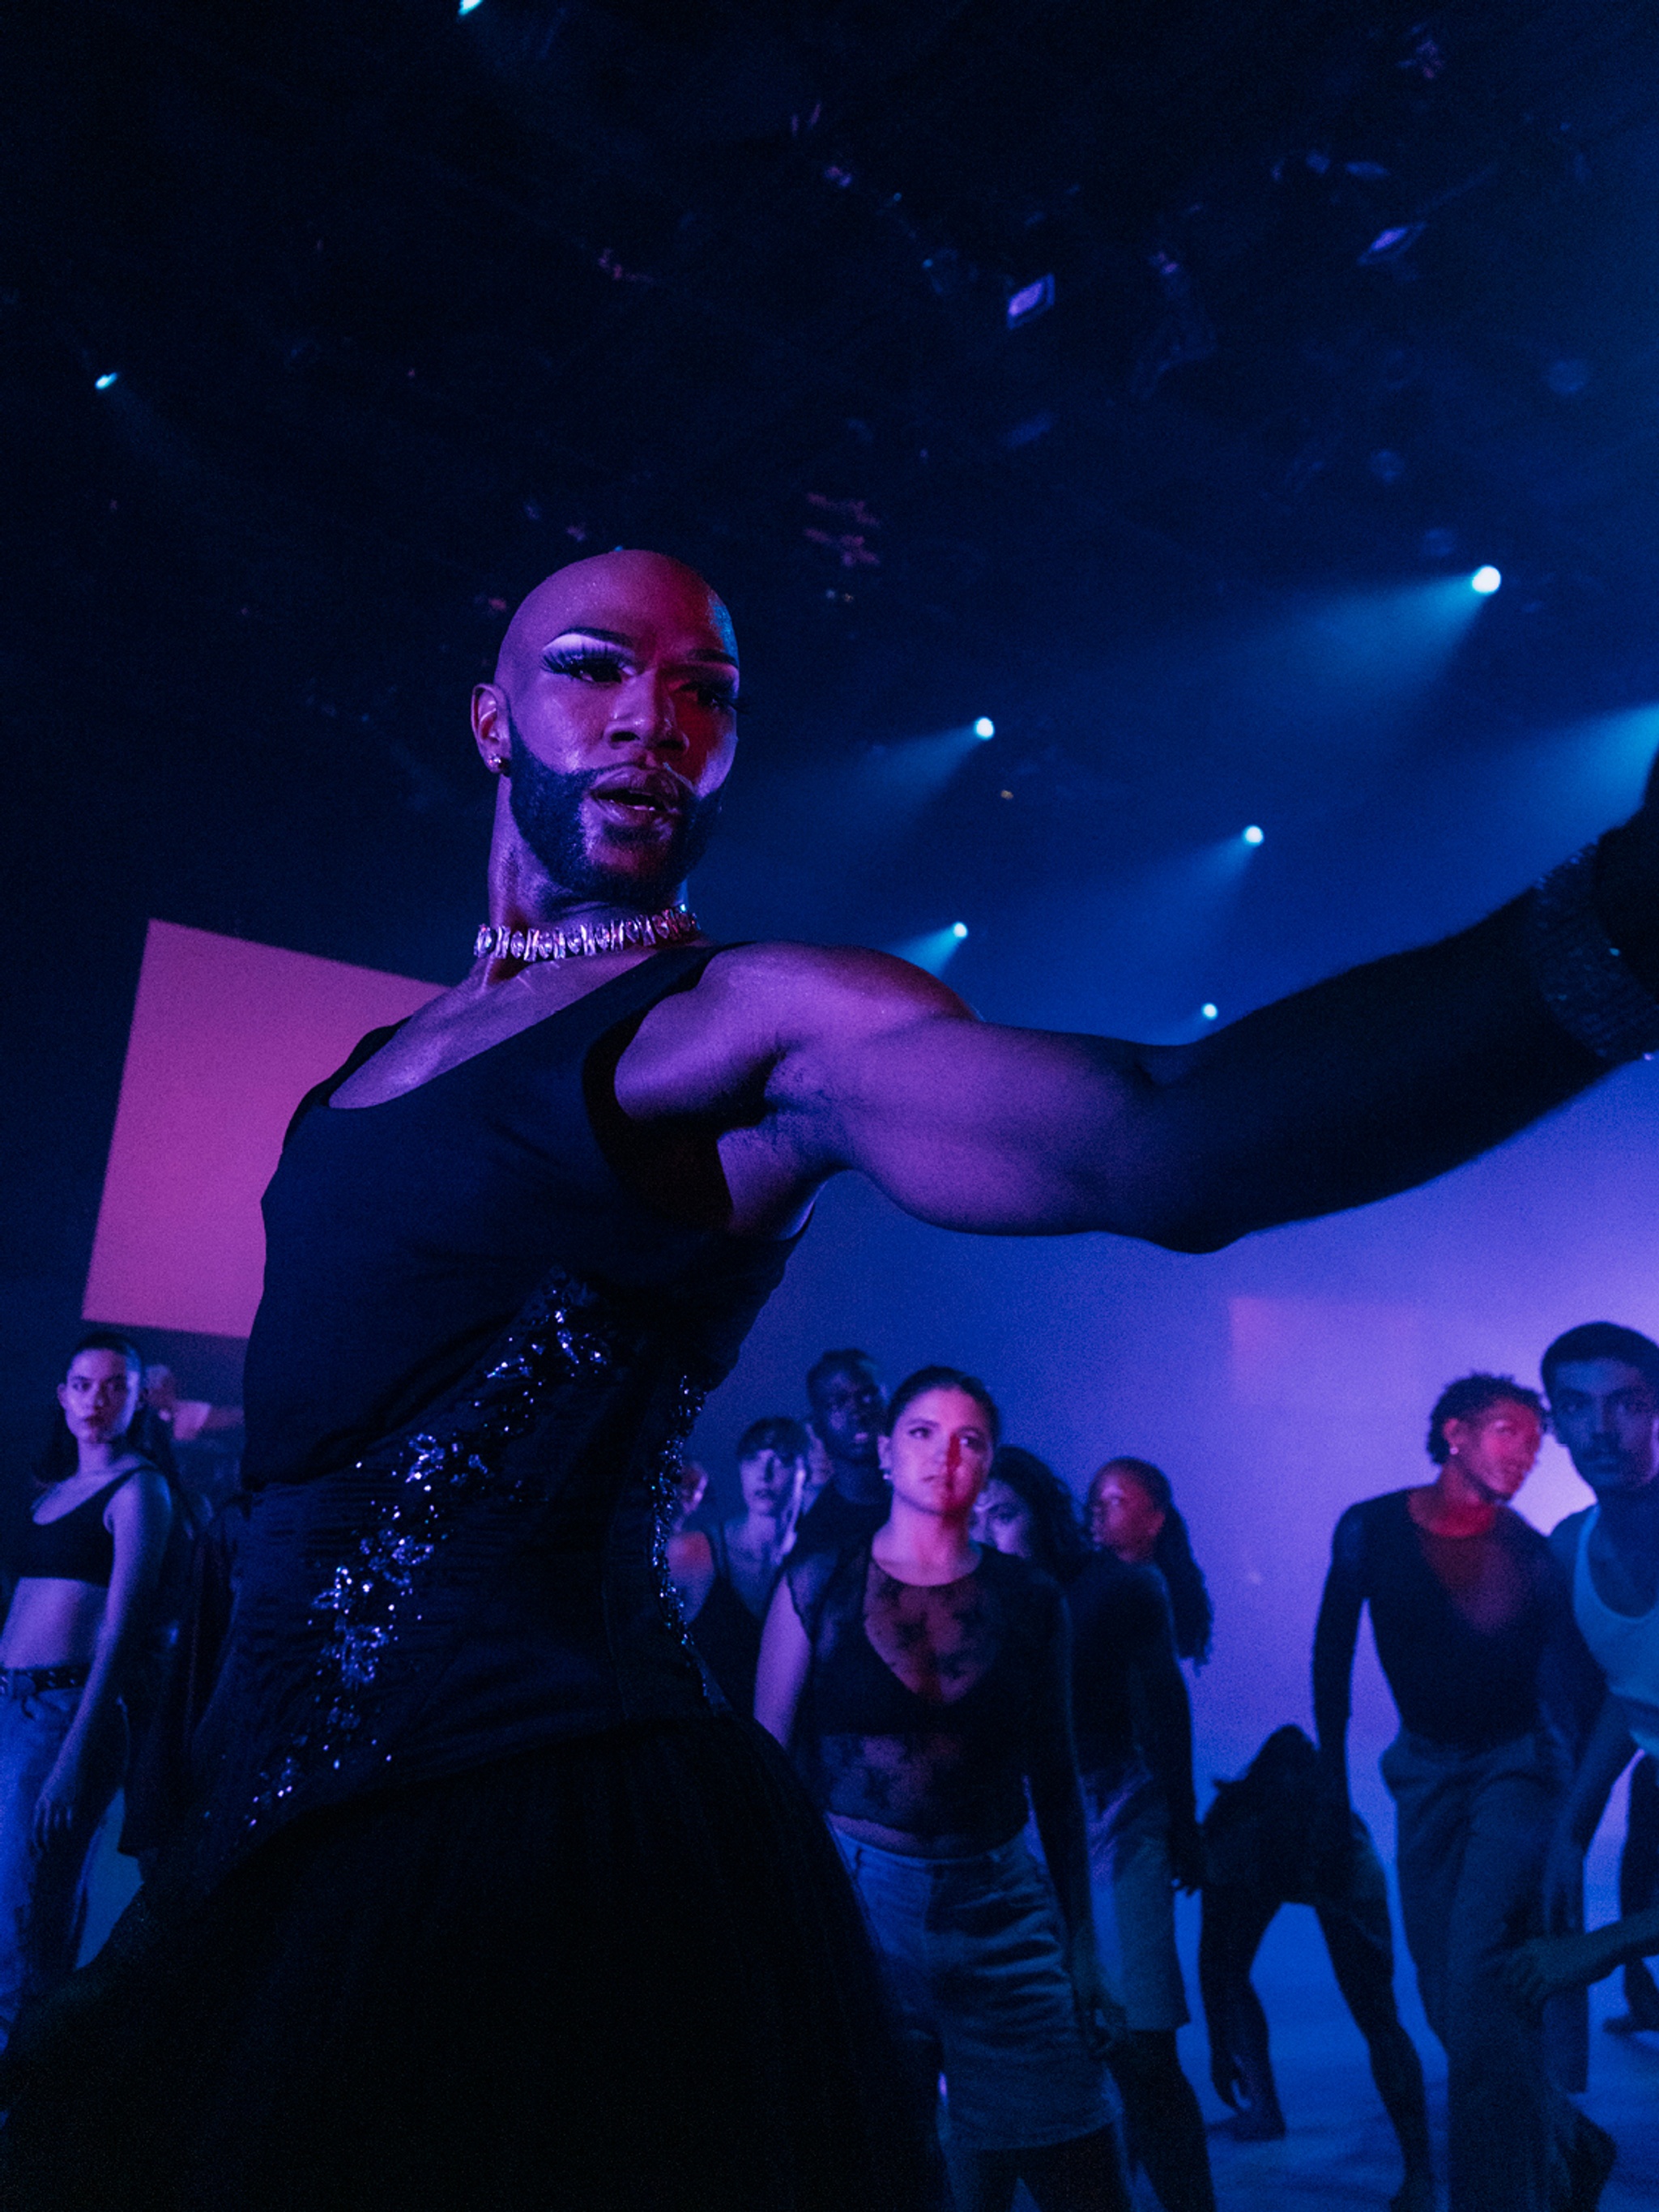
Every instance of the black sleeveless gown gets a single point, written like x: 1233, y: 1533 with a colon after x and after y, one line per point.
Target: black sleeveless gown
x: 464, y: 1890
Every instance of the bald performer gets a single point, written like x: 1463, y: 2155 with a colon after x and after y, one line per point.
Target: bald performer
x: 471, y: 1894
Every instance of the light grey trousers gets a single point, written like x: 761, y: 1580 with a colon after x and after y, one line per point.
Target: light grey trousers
x: 1473, y: 1830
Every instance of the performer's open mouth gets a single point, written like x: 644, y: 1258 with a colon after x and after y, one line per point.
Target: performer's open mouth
x: 636, y: 801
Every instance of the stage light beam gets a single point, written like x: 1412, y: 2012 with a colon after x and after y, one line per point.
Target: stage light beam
x: 1253, y: 834
x: 985, y: 727
x: 1210, y: 1011
x: 103, y: 383
x: 1485, y: 581
x: 934, y: 950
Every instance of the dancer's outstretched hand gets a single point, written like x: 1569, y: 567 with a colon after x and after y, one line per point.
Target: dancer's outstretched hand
x: 1548, y: 1965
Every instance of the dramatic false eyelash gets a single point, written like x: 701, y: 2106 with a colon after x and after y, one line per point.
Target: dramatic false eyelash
x: 573, y: 660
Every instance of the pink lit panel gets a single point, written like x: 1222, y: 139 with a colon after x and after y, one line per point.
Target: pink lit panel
x: 227, y: 1037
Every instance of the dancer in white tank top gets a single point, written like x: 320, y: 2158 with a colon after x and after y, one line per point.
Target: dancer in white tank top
x: 1624, y: 1645
x: 1603, y: 1382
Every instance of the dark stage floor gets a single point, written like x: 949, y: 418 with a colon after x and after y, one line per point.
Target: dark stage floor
x: 1339, y: 2150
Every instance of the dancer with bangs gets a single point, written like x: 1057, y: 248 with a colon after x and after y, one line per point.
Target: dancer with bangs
x: 725, y: 1573
x: 920, y: 1679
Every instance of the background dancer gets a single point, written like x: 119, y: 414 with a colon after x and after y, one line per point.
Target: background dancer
x: 1466, y: 1601
x: 1133, y: 1512
x: 1276, y: 1837
x: 507, y: 1249
x: 1603, y: 1385
x: 845, y: 1395
x: 1026, y: 1511
x: 921, y: 1678
x: 724, y: 1574
x: 80, y: 1624
x: 1134, y: 1737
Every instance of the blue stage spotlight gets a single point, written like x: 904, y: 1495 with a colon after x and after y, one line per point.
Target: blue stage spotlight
x: 103, y: 383
x: 467, y: 6
x: 934, y: 950
x: 900, y: 777
x: 1254, y: 835
x: 1485, y: 581
x: 1210, y: 1011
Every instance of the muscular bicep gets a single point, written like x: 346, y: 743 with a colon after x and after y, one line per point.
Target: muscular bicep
x: 971, y: 1125
x: 807, y: 1061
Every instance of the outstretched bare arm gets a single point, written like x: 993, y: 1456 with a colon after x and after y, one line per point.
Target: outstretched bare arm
x: 1363, y: 1085
x: 811, y: 1061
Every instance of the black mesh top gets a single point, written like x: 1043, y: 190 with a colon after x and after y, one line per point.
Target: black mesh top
x: 925, y: 1707
x: 1463, y: 1624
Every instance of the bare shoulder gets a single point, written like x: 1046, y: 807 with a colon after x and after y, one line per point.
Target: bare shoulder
x: 719, y: 1044
x: 801, y: 991
x: 145, y: 1497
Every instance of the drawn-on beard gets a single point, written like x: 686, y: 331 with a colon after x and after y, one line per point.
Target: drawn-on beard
x: 547, y: 808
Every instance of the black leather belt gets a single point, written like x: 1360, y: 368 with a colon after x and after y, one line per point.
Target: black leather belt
x: 17, y: 1681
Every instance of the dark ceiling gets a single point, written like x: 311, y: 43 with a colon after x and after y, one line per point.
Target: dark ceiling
x: 406, y: 307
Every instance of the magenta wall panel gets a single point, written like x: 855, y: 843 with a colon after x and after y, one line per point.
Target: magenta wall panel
x: 226, y: 1039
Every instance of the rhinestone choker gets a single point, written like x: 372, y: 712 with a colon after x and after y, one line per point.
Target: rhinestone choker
x: 674, y: 925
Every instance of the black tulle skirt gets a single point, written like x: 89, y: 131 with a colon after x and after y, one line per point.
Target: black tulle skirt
x: 625, y: 1972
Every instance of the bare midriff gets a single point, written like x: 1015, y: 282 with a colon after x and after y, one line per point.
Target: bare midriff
x: 52, y: 1622
x: 903, y: 1845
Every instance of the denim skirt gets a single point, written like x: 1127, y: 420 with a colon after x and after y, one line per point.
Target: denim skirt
x: 977, y: 1965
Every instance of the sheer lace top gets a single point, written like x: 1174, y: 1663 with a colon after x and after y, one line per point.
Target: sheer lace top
x: 925, y: 1707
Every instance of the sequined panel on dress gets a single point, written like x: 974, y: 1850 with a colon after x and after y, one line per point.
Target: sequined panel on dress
x: 570, y: 1340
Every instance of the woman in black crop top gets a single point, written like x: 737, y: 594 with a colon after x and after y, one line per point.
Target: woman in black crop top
x: 88, y: 1569
x: 922, y: 1682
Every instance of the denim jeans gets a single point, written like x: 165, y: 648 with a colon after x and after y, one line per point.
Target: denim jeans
x: 1134, y: 1895
x: 974, y: 1960
x: 42, y: 1895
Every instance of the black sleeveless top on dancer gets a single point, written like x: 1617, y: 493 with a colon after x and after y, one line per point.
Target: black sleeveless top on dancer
x: 727, y: 1634
x: 73, y: 1547
x: 478, y: 1897
x: 476, y: 1358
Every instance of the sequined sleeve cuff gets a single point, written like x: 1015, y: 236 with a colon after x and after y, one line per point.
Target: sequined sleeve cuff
x: 1583, y: 977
